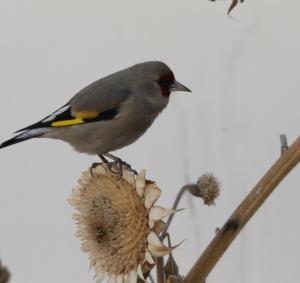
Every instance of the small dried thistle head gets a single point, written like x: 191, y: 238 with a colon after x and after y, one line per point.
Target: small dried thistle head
x: 207, y: 188
x: 118, y: 223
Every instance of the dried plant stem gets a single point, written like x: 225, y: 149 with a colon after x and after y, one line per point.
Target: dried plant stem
x: 160, y: 262
x: 284, y: 144
x: 243, y: 213
x: 175, y: 205
x: 160, y: 270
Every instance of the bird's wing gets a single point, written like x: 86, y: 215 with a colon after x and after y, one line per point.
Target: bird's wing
x: 102, y: 95
x: 94, y: 103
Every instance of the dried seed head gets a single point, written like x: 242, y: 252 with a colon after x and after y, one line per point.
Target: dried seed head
x: 117, y: 223
x: 207, y: 188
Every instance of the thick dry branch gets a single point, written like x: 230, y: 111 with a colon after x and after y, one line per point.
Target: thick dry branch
x: 243, y: 213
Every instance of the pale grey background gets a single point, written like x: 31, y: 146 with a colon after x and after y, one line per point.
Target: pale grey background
x: 245, y: 80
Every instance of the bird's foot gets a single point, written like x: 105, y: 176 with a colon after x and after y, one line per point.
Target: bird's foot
x: 116, y: 166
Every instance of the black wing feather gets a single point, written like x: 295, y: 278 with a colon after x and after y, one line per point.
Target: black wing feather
x: 67, y: 115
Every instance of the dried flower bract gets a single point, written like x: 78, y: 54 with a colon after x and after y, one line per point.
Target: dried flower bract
x: 118, y: 223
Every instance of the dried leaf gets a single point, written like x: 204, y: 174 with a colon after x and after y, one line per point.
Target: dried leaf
x: 4, y: 274
x: 171, y: 267
x: 232, y: 5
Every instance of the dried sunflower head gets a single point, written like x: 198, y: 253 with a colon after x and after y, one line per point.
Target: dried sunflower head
x: 118, y: 223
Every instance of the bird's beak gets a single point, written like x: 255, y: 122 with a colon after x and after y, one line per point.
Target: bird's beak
x: 176, y: 86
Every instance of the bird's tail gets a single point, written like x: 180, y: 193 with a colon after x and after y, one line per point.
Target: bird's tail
x: 23, y: 137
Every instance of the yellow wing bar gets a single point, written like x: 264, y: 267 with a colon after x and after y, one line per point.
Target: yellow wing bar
x: 71, y: 122
x: 80, y: 116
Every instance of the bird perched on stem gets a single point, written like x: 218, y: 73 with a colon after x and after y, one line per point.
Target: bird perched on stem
x: 110, y: 113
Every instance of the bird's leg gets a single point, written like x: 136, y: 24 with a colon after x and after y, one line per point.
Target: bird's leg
x: 119, y: 163
x: 104, y: 160
x: 117, y: 160
x: 96, y: 164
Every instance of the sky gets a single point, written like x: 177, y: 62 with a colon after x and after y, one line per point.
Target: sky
x: 244, y: 74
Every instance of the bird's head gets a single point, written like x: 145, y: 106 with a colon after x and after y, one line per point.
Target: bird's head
x: 160, y: 77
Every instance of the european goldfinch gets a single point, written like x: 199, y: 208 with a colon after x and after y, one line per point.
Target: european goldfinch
x: 110, y: 113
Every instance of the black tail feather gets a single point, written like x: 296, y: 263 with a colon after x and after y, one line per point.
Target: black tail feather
x: 14, y: 140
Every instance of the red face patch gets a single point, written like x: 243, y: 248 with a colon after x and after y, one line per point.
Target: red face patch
x: 165, y: 83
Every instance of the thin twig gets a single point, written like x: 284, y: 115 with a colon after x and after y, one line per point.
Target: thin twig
x: 175, y: 205
x: 243, y: 213
x: 169, y: 240
x: 284, y: 144
x: 160, y: 261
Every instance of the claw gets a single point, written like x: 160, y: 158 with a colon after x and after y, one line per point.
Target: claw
x: 110, y: 166
x: 94, y: 165
x: 118, y: 163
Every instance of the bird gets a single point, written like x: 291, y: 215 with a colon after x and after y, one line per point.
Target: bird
x: 110, y: 113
